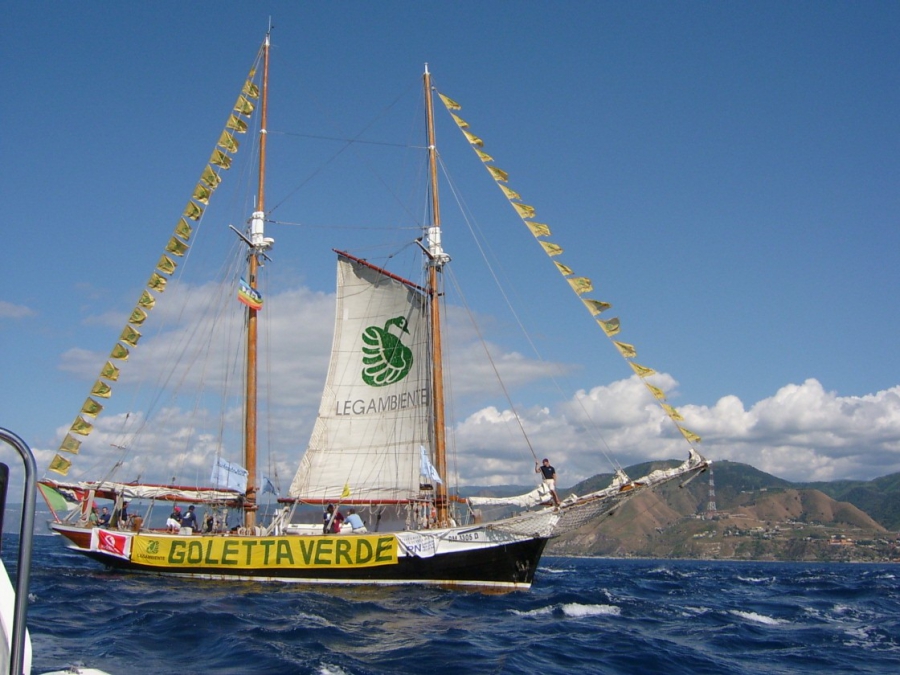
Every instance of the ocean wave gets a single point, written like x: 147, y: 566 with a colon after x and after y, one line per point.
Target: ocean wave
x: 577, y: 610
x: 756, y: 580
x: 677, y: 617
x: 571, y: 609
x: 757, y: 618
x: 327, y: 669
x: 553, y: 570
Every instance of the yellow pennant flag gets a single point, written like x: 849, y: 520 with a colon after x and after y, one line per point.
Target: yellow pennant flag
x: 595, y: 307
x: 690, y: 435
x: 580, y: 284
x: 147, y: 301
x: 642, y: 371
x: 450, y: 103
x: 460, y: 122
x: 538, y: 229
x: 671, y: 412
x: 509, y: 192
x: 551, y: 249
x: 656, y: 391
x: 565, y: 270
x: 157, y: 282
x: 166, y: 265
x: 236, y: 124
x: 201, y: 193
x: 101, y: 389
x: 176, y: 247
x: 138, y: 316
x: 109, y: 372
x: 227, y: 142
x: 210, y: 177
x: 60, y: 465
x: 250, y: 89
x: 70, y: 444
x: 346, y: 491
x: 119, y: 352
x: 524, y: 210
x: 184, y: 229
x: 130, y: 336
x: 243, y: 106
x: 611, y: 327
x: 627, y: 350
x: 91, y: 408
x: 219, y: 158
x: 80, y: 427
x: 473, y: 139
x: 498, y: 173
x: 192, y: 211
x: 484, y: 156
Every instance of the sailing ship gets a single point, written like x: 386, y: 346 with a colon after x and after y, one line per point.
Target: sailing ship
x: 378, y: 444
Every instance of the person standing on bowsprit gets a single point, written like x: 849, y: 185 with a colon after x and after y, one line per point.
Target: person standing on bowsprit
x: 548, y: 473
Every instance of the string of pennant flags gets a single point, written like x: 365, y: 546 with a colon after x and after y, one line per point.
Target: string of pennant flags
x: 177, y: 246
x: 580, y: 285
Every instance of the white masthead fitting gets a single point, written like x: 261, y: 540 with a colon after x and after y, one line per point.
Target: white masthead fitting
x: 257, y: 232
x: 435, y: 250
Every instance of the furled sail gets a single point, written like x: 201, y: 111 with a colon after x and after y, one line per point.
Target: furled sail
x: 111, y: 490
x: 374, y: 412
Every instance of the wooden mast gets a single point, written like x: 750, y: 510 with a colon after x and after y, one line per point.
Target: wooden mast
x: 259, y: 244
x: 437, y: 258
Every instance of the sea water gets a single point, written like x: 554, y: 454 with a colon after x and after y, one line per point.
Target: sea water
x: 583, y: 615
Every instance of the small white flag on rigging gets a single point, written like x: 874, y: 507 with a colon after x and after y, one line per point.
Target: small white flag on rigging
x: 426, y: 468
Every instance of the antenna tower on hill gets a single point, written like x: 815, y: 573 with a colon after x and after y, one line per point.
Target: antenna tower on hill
x: 711, y: 506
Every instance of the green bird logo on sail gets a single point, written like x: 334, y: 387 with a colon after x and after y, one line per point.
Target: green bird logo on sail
x: 386, y: 360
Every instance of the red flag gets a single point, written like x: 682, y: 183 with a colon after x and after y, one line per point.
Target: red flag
x: 111, y: 542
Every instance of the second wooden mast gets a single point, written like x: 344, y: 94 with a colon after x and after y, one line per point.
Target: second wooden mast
x: 437, y: 259
x: 259, y: 243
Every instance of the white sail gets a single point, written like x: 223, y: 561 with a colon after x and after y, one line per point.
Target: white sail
x: 111, y: 489
x: 374, y: 412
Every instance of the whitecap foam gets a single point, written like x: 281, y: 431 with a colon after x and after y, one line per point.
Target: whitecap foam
x: 578, y: 610
x: 306, y: 619
x: 328, y: 669
x: 756, y: 580
x: 572, y: 609
x: 541, y: 611
x: 757, y: 618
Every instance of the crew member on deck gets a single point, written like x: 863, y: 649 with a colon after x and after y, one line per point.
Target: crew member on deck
x: 354, y: 521
x: 189, y: 519
x: 173, y: 522
x: 548, y: 473
x: 122, y: 520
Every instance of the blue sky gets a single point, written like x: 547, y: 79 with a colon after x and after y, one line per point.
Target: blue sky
x: 725, y: 173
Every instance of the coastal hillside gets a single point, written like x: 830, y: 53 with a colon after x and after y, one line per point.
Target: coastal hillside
x: 756, y: 516
x: 880, y: 498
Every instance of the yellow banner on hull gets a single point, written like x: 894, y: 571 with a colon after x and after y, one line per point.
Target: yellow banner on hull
x: 283, y: 552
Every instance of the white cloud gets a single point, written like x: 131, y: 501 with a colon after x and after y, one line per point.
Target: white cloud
x: 9, y: 310
x: 806, y: 433
x: 801, y: 433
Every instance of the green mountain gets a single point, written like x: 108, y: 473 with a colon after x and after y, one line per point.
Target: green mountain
x: 880, y: 498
